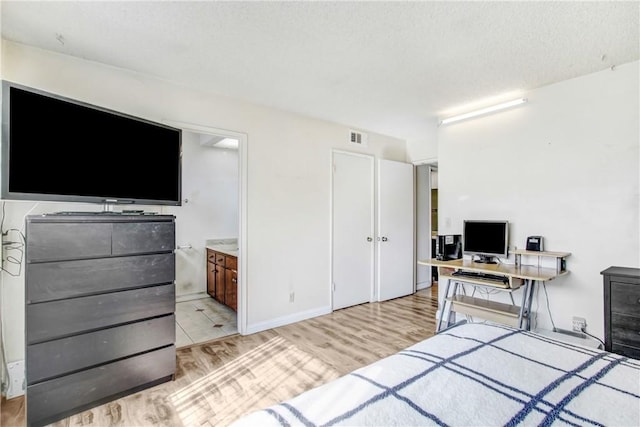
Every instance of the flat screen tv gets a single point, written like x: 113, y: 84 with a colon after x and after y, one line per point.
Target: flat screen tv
x: 59, y: 149
x: 487, y: 240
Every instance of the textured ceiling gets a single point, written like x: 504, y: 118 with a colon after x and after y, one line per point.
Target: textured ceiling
x: 388, y: 67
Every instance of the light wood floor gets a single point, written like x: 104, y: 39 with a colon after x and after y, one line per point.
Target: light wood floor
x: 218, y: 381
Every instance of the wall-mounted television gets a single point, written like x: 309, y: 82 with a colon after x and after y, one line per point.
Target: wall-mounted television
x: 487, y: 240
x: 58, y: 149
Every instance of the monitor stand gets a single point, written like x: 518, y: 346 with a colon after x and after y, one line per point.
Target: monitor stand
x: 485, y: 259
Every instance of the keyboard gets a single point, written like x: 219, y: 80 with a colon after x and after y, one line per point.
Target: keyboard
x: 478, y: 275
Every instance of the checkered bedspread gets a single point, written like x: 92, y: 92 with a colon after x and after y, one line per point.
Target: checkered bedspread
x: 473, y: 375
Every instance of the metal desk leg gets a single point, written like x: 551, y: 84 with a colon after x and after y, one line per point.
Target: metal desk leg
x: 524, y: 317
x: 444, y: 306
x: 529, y: 303
x: 525, y: 294
x: 454, y: 292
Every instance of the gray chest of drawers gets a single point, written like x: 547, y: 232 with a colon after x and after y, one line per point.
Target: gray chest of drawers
x: 622, y: 311
x: 100, y: 302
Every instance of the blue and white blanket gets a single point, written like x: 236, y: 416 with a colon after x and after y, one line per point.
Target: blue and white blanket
x: 473, y: 375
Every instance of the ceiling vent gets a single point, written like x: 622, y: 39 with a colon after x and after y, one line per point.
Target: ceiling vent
x: 358, y: 138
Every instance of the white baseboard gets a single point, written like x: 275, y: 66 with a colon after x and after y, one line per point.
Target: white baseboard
x: 191, y: 297
x: 16, y: 386
x: 423, y: 285
x: 286, y: 320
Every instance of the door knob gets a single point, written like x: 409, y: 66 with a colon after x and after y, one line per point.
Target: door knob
x: 384, y: 239
x: 369, y: 239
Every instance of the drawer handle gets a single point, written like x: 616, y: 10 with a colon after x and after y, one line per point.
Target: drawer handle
x: 234, y: 280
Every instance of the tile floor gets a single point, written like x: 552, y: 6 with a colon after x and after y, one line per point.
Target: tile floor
x: 202, y: 320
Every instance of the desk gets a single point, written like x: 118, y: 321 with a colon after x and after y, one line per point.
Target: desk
x: 519, y: 276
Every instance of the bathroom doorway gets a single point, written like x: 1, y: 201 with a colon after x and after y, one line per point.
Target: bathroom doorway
x: 426, y: 222
x: 210, y: 217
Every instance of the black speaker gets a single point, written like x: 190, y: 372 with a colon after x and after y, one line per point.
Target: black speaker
x: 534, y: 243
x: 449, y: 247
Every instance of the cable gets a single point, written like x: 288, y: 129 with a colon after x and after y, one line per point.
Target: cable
x: 5, y: 367
x: 17, y: 246
x: 548, y: 307
x: 592, y: 336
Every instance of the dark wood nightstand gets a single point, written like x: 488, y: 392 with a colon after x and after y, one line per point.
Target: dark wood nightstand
x: 622, y: 311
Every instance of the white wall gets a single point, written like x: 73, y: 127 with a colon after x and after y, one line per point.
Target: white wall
x: 288, y: 203
x: 425, y: 148
x: 564, y: 166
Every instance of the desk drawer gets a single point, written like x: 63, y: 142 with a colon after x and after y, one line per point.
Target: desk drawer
x: 57, y: 319
x: 625, y: 329
x: 625, y: 298
x: 57, y: 280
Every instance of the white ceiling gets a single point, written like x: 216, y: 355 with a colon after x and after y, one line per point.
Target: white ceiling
x: 388, y: 67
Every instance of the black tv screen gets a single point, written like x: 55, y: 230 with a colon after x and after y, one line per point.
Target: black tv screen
x: 58, y: 149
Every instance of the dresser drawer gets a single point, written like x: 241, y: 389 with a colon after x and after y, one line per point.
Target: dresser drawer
x: 143, y: 237
x: 633, y: 352
x: 54, y: 358
x: 57, y: 319
x: 62, y: 241
x: 64, y: 279
x: 625, y: 298
x: 625, y: 329
x: 51, y: 400
x: 211, y: 256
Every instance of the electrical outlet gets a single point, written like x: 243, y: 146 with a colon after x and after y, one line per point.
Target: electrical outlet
x: 579, y: 324
x: 292, y: 296
x: 17, y: 383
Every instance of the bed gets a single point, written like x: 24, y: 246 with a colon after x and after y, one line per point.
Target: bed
x: 474, y: 374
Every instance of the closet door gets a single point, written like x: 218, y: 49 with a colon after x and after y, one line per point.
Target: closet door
x: 395, y: 237
x: 352, y: 229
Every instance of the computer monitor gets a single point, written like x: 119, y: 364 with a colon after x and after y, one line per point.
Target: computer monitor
x: 487, y: 240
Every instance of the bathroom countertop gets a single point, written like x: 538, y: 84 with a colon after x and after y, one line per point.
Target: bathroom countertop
x: 225, y: 246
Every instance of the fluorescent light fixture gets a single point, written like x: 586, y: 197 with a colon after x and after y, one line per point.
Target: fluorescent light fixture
x: 229, y: 143
x: 483, y: 111
x: 219, y: 142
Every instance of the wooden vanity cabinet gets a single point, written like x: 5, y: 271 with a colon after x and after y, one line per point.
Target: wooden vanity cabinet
x: 222, y: 278
x: 231, y: 283
x: 211, y: 276
x: 219, y: 281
